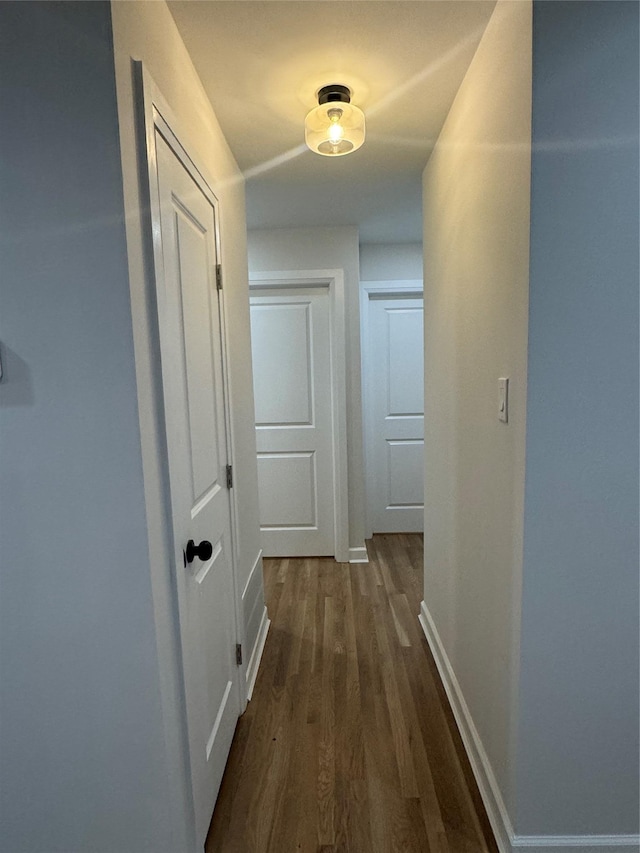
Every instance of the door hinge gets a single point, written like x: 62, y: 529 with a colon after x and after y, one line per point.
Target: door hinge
x: 219, y: 276
x: 238, y: 654
x: 229, y: 476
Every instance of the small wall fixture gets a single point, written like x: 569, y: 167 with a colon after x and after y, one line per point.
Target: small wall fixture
x: 335, y: 127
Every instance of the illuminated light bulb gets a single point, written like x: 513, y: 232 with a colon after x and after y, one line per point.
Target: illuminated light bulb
x: 335, y: 132
x: 335, y: 126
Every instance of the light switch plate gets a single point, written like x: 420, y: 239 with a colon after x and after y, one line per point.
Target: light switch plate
x: 503, y: 399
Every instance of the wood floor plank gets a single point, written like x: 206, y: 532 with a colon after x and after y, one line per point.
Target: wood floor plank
x: 348, y: 744
x: 399, y: 610
x: 326, y: 747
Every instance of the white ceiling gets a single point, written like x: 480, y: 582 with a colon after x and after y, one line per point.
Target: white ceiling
x: 262, y: 64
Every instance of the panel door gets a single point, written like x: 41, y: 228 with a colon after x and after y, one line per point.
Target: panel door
x: 290, y: 342
x: 191, y: 348
x: 395, y: 421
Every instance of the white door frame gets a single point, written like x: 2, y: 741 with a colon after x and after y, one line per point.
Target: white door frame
x: 259, y: 282
x: 405, y: 289
x: 151, y: 112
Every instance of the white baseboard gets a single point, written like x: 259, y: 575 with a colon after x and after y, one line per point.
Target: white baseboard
x: 489, y: 791
x: 506, y: 840
x: 581, y: 843
x: 256, y: 653
x: 358, y: 555
x: 257, y: 563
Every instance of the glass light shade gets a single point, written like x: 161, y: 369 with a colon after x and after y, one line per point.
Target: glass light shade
x: 334, y: 129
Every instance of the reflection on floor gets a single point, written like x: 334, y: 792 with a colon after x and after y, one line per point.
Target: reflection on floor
x: 348, y: 743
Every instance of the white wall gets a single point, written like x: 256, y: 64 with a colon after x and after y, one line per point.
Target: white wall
x: 390, y: 261
x: 531, y: 570
x: 578, y: 737
x: 327, y: 248
x: 83, y: 761
x: 476, y: 228
x: 146, y: 31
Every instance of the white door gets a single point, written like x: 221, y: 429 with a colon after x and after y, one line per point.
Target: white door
x: 395, y: 421
x: 191, y: 349
x: 290, y: 342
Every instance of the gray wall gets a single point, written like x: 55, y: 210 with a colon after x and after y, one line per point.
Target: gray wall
x: 390, y: 261
x: 578, y: 737
x: 82, y: 752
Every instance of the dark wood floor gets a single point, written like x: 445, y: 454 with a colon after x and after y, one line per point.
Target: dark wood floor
x: 348, y: 743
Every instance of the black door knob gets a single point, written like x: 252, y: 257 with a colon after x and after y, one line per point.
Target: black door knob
x: 203, y: 551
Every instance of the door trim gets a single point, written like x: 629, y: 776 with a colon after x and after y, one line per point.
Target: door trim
x: 333, y: 279
x: 371, y: 290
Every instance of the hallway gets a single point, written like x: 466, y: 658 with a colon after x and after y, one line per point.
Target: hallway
x: 348, y: 743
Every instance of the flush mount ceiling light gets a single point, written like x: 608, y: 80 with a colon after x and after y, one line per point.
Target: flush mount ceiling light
x: 335, y: 127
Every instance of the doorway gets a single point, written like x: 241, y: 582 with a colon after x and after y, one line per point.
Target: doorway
x: 393, y: 382
x: 297, y: 339
x: 184, y: 225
